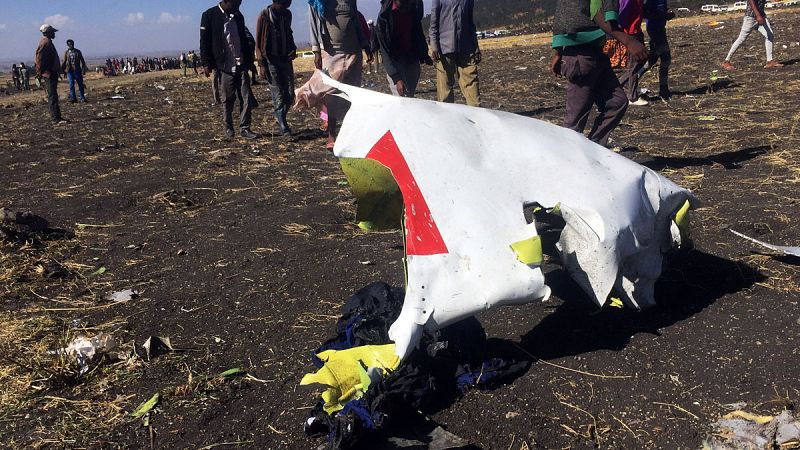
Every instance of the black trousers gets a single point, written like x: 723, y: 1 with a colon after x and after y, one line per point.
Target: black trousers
x: 280, y: 75
x: 233, y: 86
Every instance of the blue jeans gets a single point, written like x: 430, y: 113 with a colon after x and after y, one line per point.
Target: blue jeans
x: 73, y: 77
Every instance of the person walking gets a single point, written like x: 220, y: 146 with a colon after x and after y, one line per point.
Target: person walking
x: 337, y: 41
x: 24, y: 76
x: 224, y: 47
x: 657, y: 13
x: 630, y: 18
x: 579, y: 30
x: 74, y: 66
x: 755, y: 18
x: 372, y: 64
x: 402, y: 44
x: 275, y: 50
x: 48, y: 68
x: 454, y: 47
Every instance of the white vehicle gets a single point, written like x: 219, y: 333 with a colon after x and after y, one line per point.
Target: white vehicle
x: 307, y: 55
x: 739, y: 6
x: 724, y: 8
x: 715, y: 8
x: 769, y: 5
x: 683, y: 10
x: 709, y: 8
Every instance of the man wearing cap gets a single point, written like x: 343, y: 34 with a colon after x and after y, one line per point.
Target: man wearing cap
x: 224, y: 47
x: 48, y: 68
x: 75, y: 67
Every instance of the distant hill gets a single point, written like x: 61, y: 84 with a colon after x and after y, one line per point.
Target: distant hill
x: 536, y: 15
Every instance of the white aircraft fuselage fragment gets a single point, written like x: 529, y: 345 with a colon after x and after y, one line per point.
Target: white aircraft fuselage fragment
x: 465, y: 173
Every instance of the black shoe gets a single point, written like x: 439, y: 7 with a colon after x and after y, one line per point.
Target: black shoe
x: 247, y: 134
x: 229, y: 133
x: 83, y: 100
x: 72, y: 100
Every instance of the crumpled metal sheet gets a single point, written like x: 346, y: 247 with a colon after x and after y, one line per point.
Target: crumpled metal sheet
x: 466, y: 173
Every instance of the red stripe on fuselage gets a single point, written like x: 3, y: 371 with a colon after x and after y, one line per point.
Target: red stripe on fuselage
x: 422, y: 234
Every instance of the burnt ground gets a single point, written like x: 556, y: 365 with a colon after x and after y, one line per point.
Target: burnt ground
x: 243, y: 252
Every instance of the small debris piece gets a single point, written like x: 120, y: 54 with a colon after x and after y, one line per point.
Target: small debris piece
x: 122, y: 296
x: 740, y: 429
x: 157, y: 345
x: 85, y: 350
x: 791, y: 251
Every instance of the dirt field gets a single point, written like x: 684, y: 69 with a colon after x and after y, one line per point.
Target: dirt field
x: 243, y: 252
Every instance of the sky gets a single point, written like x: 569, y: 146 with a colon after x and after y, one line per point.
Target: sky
x: 131, y: 27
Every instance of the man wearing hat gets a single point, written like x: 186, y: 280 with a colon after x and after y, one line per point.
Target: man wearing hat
x: 48, y: 68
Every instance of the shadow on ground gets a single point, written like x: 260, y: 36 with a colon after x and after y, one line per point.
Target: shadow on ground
x: 729, y: 160
x: 709, y: 88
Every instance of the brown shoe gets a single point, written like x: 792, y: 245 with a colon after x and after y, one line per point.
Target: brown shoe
x: 728, y: 66
x: 772, y: 64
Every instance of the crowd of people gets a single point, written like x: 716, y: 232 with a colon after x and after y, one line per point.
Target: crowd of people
x: 21, y: 77
x: 341, y: 37
x: 130, y: 66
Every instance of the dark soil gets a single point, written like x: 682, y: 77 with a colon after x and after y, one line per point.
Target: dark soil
x: 243, y: 253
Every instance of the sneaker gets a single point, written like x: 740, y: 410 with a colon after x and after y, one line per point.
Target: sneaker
x: 60, y: 122
x: 639, y: 102
x: 72, y: 100
x: 83, y: 100
x: 229, y: 133
x: 772, y: 64
x: 728, y: 66
x: 247, y: 134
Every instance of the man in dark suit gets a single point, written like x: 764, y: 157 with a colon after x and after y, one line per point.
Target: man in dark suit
x: 224, y: 47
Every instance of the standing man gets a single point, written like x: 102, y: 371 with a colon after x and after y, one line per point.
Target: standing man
x: 579, y: 30
x: 402, y: 44
x: 275, y: 49
x: 657, y: 13
x: 454, y: 47
x: 184, y: 63
x: 337, y: 41
x: 15, y: 77
x: 75, y: 67
x: 194, y: 61
x: 754, y: 18
x: 48, y: 68
x: 630, y: 18
x: 24, y: 76
x: 372, y: 65
x: 224, y: 47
